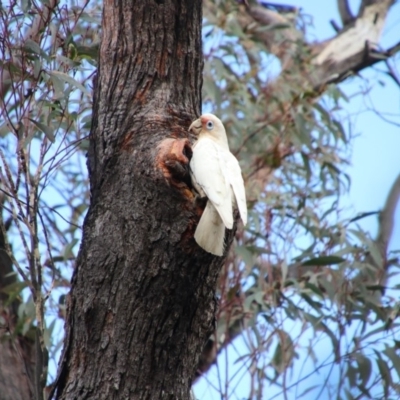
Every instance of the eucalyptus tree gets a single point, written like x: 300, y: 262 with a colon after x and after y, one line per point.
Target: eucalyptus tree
x: 149, y: 310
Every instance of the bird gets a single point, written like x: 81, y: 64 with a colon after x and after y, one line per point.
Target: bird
x: 215, y: 173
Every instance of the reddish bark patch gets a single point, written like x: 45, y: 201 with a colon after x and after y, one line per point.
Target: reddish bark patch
x: 173, y: 157
x: 126, y: 141
x: 162, y: 67
x: 187, y: 239
x: 141, y: 94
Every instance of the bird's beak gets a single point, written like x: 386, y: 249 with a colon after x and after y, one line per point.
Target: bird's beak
x: 195, y: 126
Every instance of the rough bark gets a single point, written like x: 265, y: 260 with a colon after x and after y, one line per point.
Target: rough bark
x: 15, y: 368
x: 142, y: 300
x: 16, y: 352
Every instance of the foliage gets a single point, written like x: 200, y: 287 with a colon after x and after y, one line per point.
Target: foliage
x: 301, y: 279
x: 48, y: 55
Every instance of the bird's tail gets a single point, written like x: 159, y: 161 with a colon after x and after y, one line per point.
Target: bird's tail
x: 210, y: 232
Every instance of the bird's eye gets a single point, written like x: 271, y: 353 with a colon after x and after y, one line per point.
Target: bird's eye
x: 210, y: 125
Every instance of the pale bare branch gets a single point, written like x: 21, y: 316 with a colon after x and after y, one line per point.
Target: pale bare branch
x: 354, y: 48
x: 351, y: 50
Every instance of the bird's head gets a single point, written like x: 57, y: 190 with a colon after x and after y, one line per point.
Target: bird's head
x: 210, y: 125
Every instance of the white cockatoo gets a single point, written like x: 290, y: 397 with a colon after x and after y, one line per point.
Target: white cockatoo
x: 215, y: 174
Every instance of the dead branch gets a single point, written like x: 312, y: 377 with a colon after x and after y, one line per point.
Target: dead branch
x: 363, y: 60
x: 354, y: 48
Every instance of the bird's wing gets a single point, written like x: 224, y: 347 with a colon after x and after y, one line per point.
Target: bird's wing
x: 207, y: 169
x: 235, y: 179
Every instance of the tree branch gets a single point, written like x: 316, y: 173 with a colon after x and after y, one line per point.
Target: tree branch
x: 16, y: 361
x: 345, y: 12
x: 391, y: 72
x: 282, y: 36
x: 281, y: 8
x: 34, y: 33
x: 351, y: 50
x: 362, y: 60
x: 386, y: 218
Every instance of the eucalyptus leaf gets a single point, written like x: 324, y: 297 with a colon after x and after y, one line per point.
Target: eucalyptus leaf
x: 323, y: 260
x: 68, y: 79
x: 49, y: 132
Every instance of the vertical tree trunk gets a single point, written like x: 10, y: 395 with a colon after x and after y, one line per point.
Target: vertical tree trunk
x: 16, y: 367
x: 142, y: 300
x: 16, y: 351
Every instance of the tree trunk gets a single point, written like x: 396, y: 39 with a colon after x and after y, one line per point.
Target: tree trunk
x: 16, y: 351
x: 142, y: 299
x: 15, y: 368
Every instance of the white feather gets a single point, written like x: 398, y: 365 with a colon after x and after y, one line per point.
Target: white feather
x: 210, y: 232
x: 235, y: 180
x: 207, y: 166
x: 216, y: 174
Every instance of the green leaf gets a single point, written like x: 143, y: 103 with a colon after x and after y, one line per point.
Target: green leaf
x: 284, y: 352
x: 20, y: 130
x: 48, y: 332
x: 89, y: 52
x: 37, y: 68
x: 58, y: 87
x: 27, y: 310
x: 315, y: 289
x: 69, y: 79
x: 314, y: 304
x: 364, y: 215
x: 364, y: 368
x: 307, y: 166
x: 308, y: 390
x: 13, y: 288
x: 32, y: 46
x: 390, y: 352
x: 284, y: 269
x: 45, y: 129
x: 4, y: 129
x: 340, y: 129
x: 385, y: 373
x: 324, y: 260
x: 26, y: 5
x: 68, y: 253
x: 272, y: 27
x: 324, y: 114
x: 245, y: 255
x: 376, y: 287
